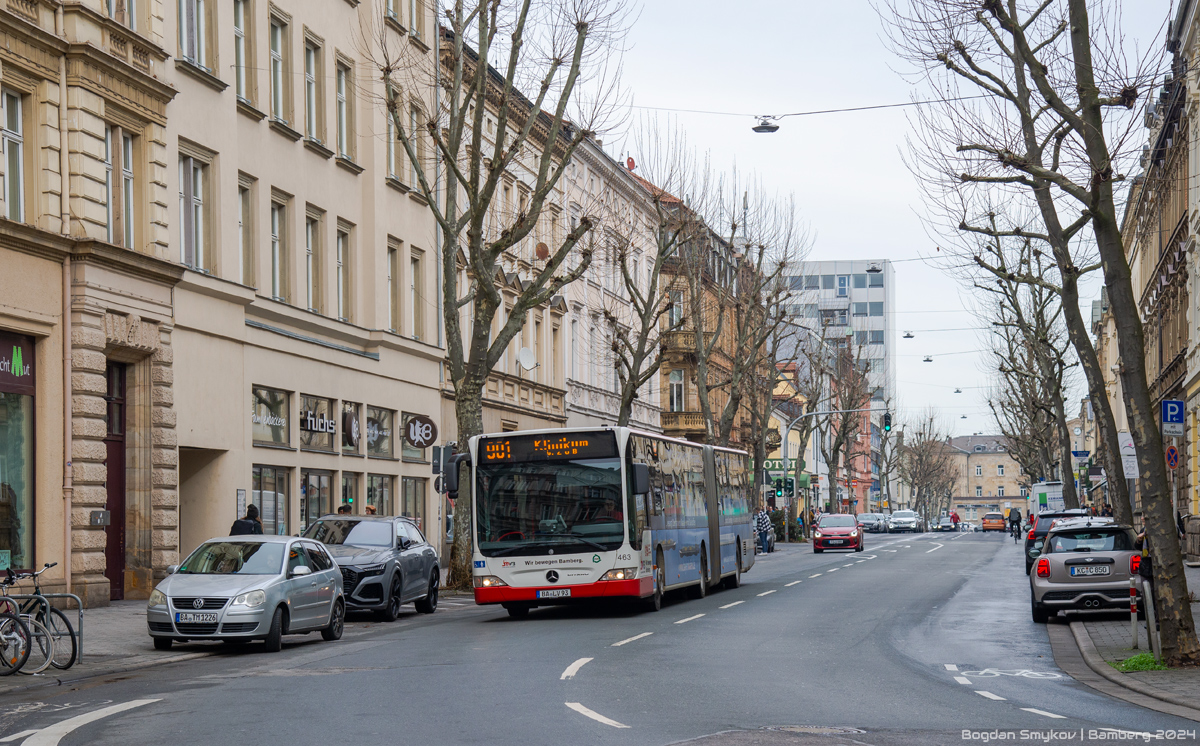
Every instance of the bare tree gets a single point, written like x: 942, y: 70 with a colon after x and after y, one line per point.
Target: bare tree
x: 485, y: 134
x: 927, y: 462
x: 1053, y: 83
x: 849, y: 390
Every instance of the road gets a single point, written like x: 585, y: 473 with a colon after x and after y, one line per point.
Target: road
x: 911, y: 642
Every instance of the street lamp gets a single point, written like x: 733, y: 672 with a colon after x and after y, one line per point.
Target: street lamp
x: 765, y: 125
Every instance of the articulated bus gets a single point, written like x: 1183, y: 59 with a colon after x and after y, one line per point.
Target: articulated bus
x: 612, y: 513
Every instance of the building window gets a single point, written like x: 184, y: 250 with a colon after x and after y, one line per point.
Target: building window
x: 312, y: 81
x: 192, y: 214
x: 193, y: 32
x: 978, y: 470
x: 408, y: 452
x: 315, y: 488
x: 269, y: 412
x: 343, y: 112
x: 860, y: 309
x: 245, y: 236
x: 574, y: 350
x: 877, y: 337
x: 999, y: 470
x: 118, y: 185
x: 416, y: 18
x: 241, y: 57
x: 978, y: 490
x: 391, y: 145
x: 412, y: 500
x: 123, y: 12
x: 860, y: 338
x: 312, y: 262
x: 351, y: 428
x: 1024, y: 492
x: 393, y: 286
x: 279, y: 284
x: 270, y: 493
x: 678, y: 403
x: 675, y: 310
x: 417, y: 139
x: 379, y: 432
x: 17, y: 453
x: 390, y: 9
x: 379, y: 493
x: 343, y: 275
x: 317, y: 424
x: 843, y: 285
x: 860, y: 281
x: 416, y: 293
x: 279, y: 70
x: 1000, y: 491
x: 875, y: 280
x: 876, y: 308
x: 812, y: 282
x: 13, y: 136
x: 349, y: 489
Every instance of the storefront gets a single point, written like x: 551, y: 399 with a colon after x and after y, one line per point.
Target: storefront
x: 17, y: 451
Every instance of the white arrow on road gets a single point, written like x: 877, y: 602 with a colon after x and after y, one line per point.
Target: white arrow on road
x: 52, y: 735
x: 939, y: 546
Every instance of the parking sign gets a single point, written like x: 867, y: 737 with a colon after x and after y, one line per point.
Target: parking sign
x: 1172, y: 417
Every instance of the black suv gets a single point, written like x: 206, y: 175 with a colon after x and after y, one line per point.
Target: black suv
x: 1037, y: 533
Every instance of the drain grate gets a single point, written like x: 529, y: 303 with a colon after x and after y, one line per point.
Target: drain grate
x: 815, y: 730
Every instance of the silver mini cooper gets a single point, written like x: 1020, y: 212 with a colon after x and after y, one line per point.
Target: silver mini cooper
x: 1084, y: 565
x: 241, y: 588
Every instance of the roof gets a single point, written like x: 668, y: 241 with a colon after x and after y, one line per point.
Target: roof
x: 980, y: 443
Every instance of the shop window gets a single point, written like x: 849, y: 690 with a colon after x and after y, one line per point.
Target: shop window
x: 317, y: 424
x: 379, y: 493
x: 16, y: 451
x: 270, y: 494
x: 269, y: 412
x: 408, y: 452
x: 351, y: 428
x: 379, y: 432
x: 350, y: 490
x: 315, y: 496
x: 412, y: 500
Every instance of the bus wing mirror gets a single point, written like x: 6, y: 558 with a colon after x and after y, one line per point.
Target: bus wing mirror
x: 641, y: 479
x: 452, y: 473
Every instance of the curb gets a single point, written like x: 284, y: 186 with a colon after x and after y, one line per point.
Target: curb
x: 61, y: 679
x: 1097, y: 663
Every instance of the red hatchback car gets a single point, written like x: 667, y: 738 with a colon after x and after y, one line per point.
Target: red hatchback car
x: 837, y: 532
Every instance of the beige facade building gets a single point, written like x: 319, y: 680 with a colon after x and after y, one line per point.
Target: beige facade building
x: 989, y: 479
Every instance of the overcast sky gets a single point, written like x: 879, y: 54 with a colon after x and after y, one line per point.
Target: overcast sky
x: 782, y: 56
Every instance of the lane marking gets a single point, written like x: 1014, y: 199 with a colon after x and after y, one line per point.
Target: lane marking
x: 989, y: 695
x: 594, y: 715
x: 1044, y: 713
x: 833, y: 569
x: 574, y: 668
x: 810, y: 577
x: 17, y: 736
x: 730, y: 606
x: 939, y: 546
x: 869, y: 556
x: 52, y: 735
x: 689, y: 619
x: 631, y: 639
x: 794, y: 582
x: 848, y: 564
x: 950, y: 666
x: 766, y: 593
x: 963, y: 680
x: 860, y: 562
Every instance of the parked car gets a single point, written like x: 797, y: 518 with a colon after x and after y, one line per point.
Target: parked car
x: 1040, y: 526
x: 994, y: 522
x: 905, y: 520
x: 837, y: 531
x: 385, y: 562
x: 944, y: 524
x: 1085, y: 565
x: 872, y: 522
x: 241, y: 588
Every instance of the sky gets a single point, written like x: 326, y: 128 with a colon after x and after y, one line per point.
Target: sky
x: 845, y: 170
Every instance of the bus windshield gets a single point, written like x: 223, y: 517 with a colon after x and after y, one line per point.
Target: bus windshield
x: 549, y: 507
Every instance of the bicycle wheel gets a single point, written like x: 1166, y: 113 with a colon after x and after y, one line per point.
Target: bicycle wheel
x: 41, y: 647
x: 64, y: 639
x: 14, y: 644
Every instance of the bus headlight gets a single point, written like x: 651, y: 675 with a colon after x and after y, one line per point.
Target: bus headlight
x: 488, y: 581
x: 623, y: 573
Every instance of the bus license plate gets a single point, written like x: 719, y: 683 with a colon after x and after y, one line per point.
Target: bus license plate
x: 1091, y: 570
x: 836, y: 541
x: 192, y: 618
x: 557, y: 593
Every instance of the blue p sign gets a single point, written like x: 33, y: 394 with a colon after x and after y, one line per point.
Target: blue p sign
x: 1172, y: 417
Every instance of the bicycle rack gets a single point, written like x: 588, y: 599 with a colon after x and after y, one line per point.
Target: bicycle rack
x: 44, y: 600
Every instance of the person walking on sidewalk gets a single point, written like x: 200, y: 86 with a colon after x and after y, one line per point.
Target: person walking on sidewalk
x: 248, y: 525
x: 763, y: 524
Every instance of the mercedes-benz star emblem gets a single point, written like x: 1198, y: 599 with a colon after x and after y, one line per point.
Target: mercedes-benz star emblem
x: 198, y: 603
x: 552, y: 576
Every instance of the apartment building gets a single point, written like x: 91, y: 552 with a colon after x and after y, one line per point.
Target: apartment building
x: 306, y: 321
x: 989, y: 479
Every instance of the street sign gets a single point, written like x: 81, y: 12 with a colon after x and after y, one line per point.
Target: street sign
x: 1129, y: 463
x: 1172, y: 457
x: 1172, y: 417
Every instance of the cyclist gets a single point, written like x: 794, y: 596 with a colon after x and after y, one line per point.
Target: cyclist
x: 1014, y: 521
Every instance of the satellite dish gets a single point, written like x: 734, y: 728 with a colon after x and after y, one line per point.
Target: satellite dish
x: 526, y: 359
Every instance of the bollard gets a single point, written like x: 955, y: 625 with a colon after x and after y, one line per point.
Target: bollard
x: 1133, y: 609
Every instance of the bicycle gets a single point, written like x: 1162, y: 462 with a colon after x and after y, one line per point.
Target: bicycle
x: 40, y: 648
x: 17, y: 639
x: 65, y: 644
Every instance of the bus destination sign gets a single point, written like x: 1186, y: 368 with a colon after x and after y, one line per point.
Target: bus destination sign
x: 543, y: 447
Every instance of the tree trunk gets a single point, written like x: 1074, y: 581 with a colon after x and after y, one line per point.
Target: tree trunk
x: 1070, y: 496
x: 1179, y: 644
x: 468, y: 412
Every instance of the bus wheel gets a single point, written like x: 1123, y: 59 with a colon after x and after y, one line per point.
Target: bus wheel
x: 734, y: 580
x: 700, y: 590
x: 654, y: 603
x: 517, y: 611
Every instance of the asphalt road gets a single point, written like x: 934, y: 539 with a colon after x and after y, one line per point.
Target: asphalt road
x: 913, y: 641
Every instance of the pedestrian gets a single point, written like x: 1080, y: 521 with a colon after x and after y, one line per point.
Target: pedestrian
x: 1179, y: 524
x: 370, y: 510
x: 1106, y: 511
x: 955, y: 519
x: 343, y: 509
x: 249, y: 525
x: 763, y: 524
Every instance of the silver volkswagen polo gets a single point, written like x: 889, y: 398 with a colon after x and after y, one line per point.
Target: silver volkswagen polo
x: 241, y: 588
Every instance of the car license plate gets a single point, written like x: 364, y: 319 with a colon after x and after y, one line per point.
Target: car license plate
x: 836, y: 541
x: 1091, y: 570
x: 557, y: 593
x: 188, y: 617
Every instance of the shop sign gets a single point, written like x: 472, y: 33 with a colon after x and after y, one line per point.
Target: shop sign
x: 16, y: 364
x: 269, y: 416
x: 420, y: 431
x: 317, y: 422
x: 317, y: 426
x: 351, y: 430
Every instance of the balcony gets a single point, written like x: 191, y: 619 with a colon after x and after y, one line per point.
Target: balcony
x: 682, y: 424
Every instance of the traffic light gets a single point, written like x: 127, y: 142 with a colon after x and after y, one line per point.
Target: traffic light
x: 778, y: 488
x: 887, y: 422
x: 789, y: 486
